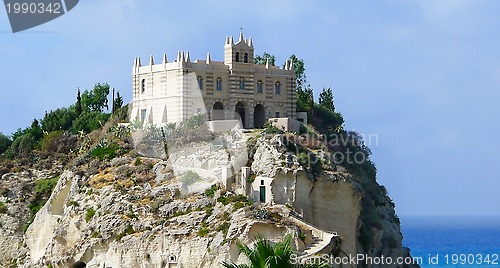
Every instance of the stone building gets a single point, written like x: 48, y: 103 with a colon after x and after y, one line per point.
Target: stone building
x: 235, y: 88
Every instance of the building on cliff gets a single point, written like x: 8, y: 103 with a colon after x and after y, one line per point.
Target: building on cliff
x: 235, y: 88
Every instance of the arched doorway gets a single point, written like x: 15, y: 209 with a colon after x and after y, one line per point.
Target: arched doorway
x: 218, y: 111
x: 240, y: 110
x: 259, y: 116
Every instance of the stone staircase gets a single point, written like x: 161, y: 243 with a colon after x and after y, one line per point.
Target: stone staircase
x: 322, y: 241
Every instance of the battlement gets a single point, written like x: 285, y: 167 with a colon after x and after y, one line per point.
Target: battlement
x: 236, y: 56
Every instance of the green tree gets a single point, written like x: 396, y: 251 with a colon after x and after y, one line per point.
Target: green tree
x: 300, y: 72
x: 23, y: 145
x: 326, y: 99
x: 88, y: 122
x: 262, y: 59
x: 305, y: 100
x: 264, y: 254
x: 78, y: 107
x: 96, y: 99
x: 5, y: 142
x: 35, y: 130
x: 60, y: 119
x: 118, y: 102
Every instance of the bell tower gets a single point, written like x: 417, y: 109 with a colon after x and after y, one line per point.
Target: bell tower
x: 240, y: 53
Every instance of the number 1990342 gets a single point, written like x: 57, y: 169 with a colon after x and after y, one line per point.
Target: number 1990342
x: 33, y: 8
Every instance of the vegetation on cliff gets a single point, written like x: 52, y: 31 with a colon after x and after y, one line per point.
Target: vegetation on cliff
x: 87, y: 140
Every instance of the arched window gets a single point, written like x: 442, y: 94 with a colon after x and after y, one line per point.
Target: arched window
x: 219, y: 83
x: 237, y: 57
x: 200, y: 82
x: 245, y: 58
x: 242, y: 83
x: 277, y: 88
x: 259, y: 86
x: 143, y: 85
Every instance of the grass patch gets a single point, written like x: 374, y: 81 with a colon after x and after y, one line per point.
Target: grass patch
x: 42, y: 191
x: 3, y: 208
x: 45, y: 186
x: 302, y: 236
x: 203, y: 231
x: 224, y: 227
x: 238, y: 200
x: 210, y: 192
x: 128, y: 231
x: 89, y: 214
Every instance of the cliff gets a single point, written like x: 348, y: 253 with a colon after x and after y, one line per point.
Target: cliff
x: 127, y: 209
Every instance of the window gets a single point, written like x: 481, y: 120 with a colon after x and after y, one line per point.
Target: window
x: 143, y: 115
x: 143, y: 85
x: 259, y: 86
x: 219, y: 83
x: 277, y: 114
x: 245, y: 58
x: 237, y: 57
x: 277, y: 88
x: 242, y: 83
x: 200, y: 82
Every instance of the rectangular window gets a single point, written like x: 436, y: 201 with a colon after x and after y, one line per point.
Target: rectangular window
x: 242, y: 83
x: 219, y: 84
x: 259, y: 87
x: 277, y: 88
x: 277, y: 114
x: 143, y: 115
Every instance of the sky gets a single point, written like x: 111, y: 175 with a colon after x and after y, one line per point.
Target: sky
x: 422, y: 77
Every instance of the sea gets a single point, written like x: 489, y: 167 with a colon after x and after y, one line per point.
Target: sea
x: 453, y: 241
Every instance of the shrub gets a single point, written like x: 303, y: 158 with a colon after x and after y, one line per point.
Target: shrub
x: 202, y: 231
x: 234, y: 199
x: 60, y: 119
x: 131, y: 213
x: 59, y: 142
x: 23, y: 145
x: 43, y: 187
x: 302, y: 236
x: 105, y: 151
x: 89, y: 121
x: 35, y: 206
x: 5, y: 142
x: 224, y: 227
x: 128, y: 231
x: 3, y: 208
x: 210, y: 192
x: 90, y: 214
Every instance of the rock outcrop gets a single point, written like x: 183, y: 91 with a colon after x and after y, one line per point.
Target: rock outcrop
x: 136, y: 212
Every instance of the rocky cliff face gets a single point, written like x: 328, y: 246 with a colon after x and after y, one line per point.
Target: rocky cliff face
x: 335, y: 201
x: 135, y: 212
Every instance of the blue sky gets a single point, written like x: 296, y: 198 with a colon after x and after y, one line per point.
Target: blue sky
x: 421, y: 75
